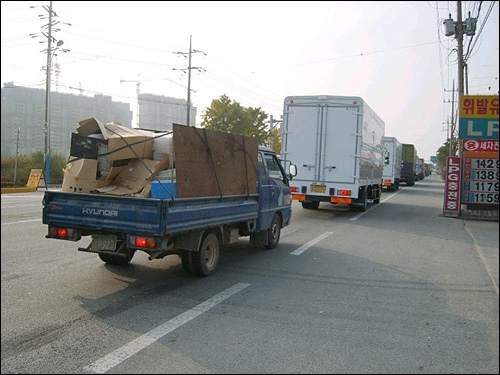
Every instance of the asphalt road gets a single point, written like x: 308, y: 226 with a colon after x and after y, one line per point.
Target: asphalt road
x: 396, y: 289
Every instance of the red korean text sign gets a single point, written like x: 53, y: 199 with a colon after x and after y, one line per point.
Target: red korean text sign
x: 452, y: 187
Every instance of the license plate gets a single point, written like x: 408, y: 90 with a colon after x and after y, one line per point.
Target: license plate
x: 103, y: 242
x: 318, y: 189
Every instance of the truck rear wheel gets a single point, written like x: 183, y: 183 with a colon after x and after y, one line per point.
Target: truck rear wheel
x: 204, y: 262
x: 185, y: 260
x: 361, y: 203
x: 123, y: 257
x: 273, y: 233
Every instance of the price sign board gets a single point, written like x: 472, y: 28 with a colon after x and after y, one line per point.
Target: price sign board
x: 34, y: 178
x: 481, y: 178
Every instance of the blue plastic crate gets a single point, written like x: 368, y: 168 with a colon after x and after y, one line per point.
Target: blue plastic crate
x: 157, y: 191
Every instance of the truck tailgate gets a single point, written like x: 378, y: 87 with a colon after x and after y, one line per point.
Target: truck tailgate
x: 157, y: 217
x: 104, y: 212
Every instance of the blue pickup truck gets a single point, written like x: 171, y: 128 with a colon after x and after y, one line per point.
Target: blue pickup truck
x: 192, y: 228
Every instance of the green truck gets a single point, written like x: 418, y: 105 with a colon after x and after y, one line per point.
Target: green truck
x: 409, y: 165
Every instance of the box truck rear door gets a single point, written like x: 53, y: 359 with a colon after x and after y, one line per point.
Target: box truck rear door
x: 340, y: 126
x: 302, y: 146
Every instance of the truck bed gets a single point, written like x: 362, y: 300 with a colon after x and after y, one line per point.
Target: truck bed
x: 92, y: 213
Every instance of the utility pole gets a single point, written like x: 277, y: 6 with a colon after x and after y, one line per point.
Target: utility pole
x: 46, y: 127
x: 50, y: 53
x: 458, y: 29
x: 17, y: 152
x: 452, y: 153
x: 460, y: 38
x: 189, y: 68
x: 271, y: 128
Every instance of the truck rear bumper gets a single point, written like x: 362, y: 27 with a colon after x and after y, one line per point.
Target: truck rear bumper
x: 320, y: 198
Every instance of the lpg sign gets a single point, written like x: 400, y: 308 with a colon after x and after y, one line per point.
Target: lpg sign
x: 452, y: 188
x: 478, y: 117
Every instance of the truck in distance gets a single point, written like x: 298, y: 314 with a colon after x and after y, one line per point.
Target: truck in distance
x: 409, y: 166
x: 392, y: 167
x: 336, y: 143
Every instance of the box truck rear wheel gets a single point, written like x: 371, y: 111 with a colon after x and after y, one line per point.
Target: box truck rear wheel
x: 361, y: 203
x: 273, y: 233
x: 310, y: 204
x: 204, y: 261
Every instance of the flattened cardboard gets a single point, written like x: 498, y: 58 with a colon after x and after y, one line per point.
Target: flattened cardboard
x: 212, y: 163
x: 80, y: 176
x: 107, y: 178
x: 134, y: 177
x: 113, y: 133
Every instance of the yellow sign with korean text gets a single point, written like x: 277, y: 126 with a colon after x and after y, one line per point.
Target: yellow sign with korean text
x: 479, y: 106
x: 34, y: 178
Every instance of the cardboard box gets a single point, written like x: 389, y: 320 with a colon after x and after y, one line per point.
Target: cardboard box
x: 134, y: 177
x: 80, y: 176
x: 118, y: 136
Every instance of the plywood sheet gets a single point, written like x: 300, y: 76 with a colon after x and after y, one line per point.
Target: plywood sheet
x: 212, y: 163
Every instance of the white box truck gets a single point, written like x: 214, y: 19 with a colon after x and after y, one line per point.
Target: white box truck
x: 336, y: 144
x: 393, y: 159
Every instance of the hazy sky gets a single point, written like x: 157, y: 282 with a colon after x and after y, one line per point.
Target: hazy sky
x: 394, y: 55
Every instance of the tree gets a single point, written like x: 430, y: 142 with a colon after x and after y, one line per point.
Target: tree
x: 444, y: 151
x: 276, y: 137
x: 34, y: 161
x: 229, y: 116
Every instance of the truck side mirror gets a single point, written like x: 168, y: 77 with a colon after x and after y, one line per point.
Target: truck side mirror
x: 293, y: 171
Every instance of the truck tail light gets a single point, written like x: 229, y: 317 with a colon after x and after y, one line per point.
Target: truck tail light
x: 346, y: 193
x: 64, y: 233
x: 294, y: 189
x: 148, y: 242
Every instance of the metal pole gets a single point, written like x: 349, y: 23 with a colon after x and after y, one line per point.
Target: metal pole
x: 47, y: 101
x: 271, y: 130
x: 460, y: 50
x: 17, y: 152
x: 189, y: 82
x: 451, y: 153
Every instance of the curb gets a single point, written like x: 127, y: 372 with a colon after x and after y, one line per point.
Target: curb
x: 18, y: 190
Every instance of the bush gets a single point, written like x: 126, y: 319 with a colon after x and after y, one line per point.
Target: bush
x: 26, y: 163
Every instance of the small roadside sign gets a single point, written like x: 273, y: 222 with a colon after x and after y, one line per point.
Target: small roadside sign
x: 34, y: 178
x: 452, y: 185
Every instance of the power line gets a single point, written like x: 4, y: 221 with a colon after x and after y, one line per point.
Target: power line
x: 467, y: 55
x: 349, y: 56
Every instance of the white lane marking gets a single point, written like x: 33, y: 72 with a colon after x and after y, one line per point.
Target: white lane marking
x: 306, y: 246
x: 14, y: 204
x: 119, y: 355
x: 22, y: 221
x: 480, y: 252
x: 371, y: 208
